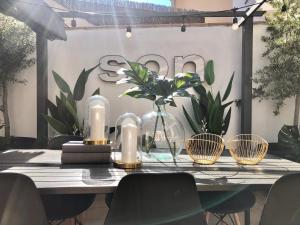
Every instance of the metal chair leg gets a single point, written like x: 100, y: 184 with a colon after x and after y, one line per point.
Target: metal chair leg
x: 77, y: 221
x: 232, y: 221
x: 247, y: 217
x: 237, y: 219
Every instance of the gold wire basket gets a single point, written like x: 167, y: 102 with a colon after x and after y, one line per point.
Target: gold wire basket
x: 205, y: 148
x: 248, y: 149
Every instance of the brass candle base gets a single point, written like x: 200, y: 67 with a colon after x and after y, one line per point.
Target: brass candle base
x: 121, y: 165
x: 96, y: 142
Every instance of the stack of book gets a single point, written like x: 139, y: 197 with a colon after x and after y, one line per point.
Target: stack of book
x: 77, y: 152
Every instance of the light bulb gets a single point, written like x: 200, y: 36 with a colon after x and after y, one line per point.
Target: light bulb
x: 128, y: 32
x: 235, y: 25
x: 183, y: 28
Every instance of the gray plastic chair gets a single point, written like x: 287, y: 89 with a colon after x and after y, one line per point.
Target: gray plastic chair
x: 64, y: 206
x: 152, y: 199
x: 20, y: 202
x: 283, y: 202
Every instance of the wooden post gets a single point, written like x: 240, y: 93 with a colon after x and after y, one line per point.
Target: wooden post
x: 42, y: 89
x: 247, y: 60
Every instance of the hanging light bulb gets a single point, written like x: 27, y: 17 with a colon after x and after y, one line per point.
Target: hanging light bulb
x: 284, y: 7
x: 73, y: 22
x: 128, y: 32
x: 183, y: 27
x: 235, y: 25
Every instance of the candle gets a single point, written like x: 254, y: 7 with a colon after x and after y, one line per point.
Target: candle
x: 97, y: 122
x: 129, y: 132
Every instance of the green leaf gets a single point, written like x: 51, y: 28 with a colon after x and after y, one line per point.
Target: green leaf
x: 140, y: 71
x: 209, y: 74
x: 226, y: 122
x: 197, y: 111
x: 191, y: 122
x: 61, y: 83
x: 66, y: 116
x: 79, y: 88
x: 227, y: 104
x: 53, y: 110
x: 200, y: 90
x: 96, y: 92
x: 137, y: 93
x: 228, y: 89
x: 218, y: 99
x: 56, y: 125
x: 179, y: 83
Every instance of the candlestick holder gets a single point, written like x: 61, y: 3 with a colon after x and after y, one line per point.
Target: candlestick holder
x: 96, y: 121
x: 127, y: 154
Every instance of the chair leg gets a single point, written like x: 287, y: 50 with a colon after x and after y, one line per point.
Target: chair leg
x: 207, y: 216
x: 247, y: 217
x: 237, y: 219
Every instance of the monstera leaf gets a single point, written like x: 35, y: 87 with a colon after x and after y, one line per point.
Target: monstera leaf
x: 160, y: 89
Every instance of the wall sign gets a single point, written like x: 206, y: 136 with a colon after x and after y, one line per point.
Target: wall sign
x: 110, y: 64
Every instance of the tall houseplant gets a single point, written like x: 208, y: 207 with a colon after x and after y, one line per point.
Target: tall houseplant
x: 64, y: 117
x: 16, y: 48
x: 162, y: 91
x: 210, y: 113
x: 280, y: 79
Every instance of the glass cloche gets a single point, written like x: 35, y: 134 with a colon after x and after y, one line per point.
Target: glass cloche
x: 127, y: 141
x: 96, y: 120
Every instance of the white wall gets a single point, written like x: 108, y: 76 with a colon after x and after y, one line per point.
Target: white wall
x: 84, y: 48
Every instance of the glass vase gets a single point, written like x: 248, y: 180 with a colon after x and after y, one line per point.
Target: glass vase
x: 162, y: 135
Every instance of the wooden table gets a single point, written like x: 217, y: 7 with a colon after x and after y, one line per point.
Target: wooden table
x: 51, y: 177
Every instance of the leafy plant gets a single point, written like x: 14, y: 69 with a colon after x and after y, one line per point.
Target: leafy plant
x: 159, y: 89
x: 16, y: 48
x: 64, y: 118
x: 280, y: 79
x: 210, y: 112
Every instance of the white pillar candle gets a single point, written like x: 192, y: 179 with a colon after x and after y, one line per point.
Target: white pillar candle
x: 129, y: 132
x: 97, y: 122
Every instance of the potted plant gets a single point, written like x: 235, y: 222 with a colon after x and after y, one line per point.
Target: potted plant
x: 161, y: 131
x: 63, y: 115
x: 16, y: 48
x: 280, y: 79
x: 211, y: 113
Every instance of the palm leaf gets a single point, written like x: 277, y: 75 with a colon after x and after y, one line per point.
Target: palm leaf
x: 57, y: 125
x: 61, y: 83
x: 228, y: 89
x: 79, y: 88
x: 190, y: 121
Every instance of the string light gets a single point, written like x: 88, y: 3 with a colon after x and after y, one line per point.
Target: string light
x: 284, y: 7
x: 73, y: 23
x: 235, y: 25
x: 128, y: 32
x: 183, y: 27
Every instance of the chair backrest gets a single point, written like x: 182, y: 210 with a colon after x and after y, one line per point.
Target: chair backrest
x: 152, y: 199
x: 20, y: 203
x: 283, y: 202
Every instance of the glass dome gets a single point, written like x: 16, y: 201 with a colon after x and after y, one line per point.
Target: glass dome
x: 127, y: 141
x: 96, y: 120
x: 163, y: 135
